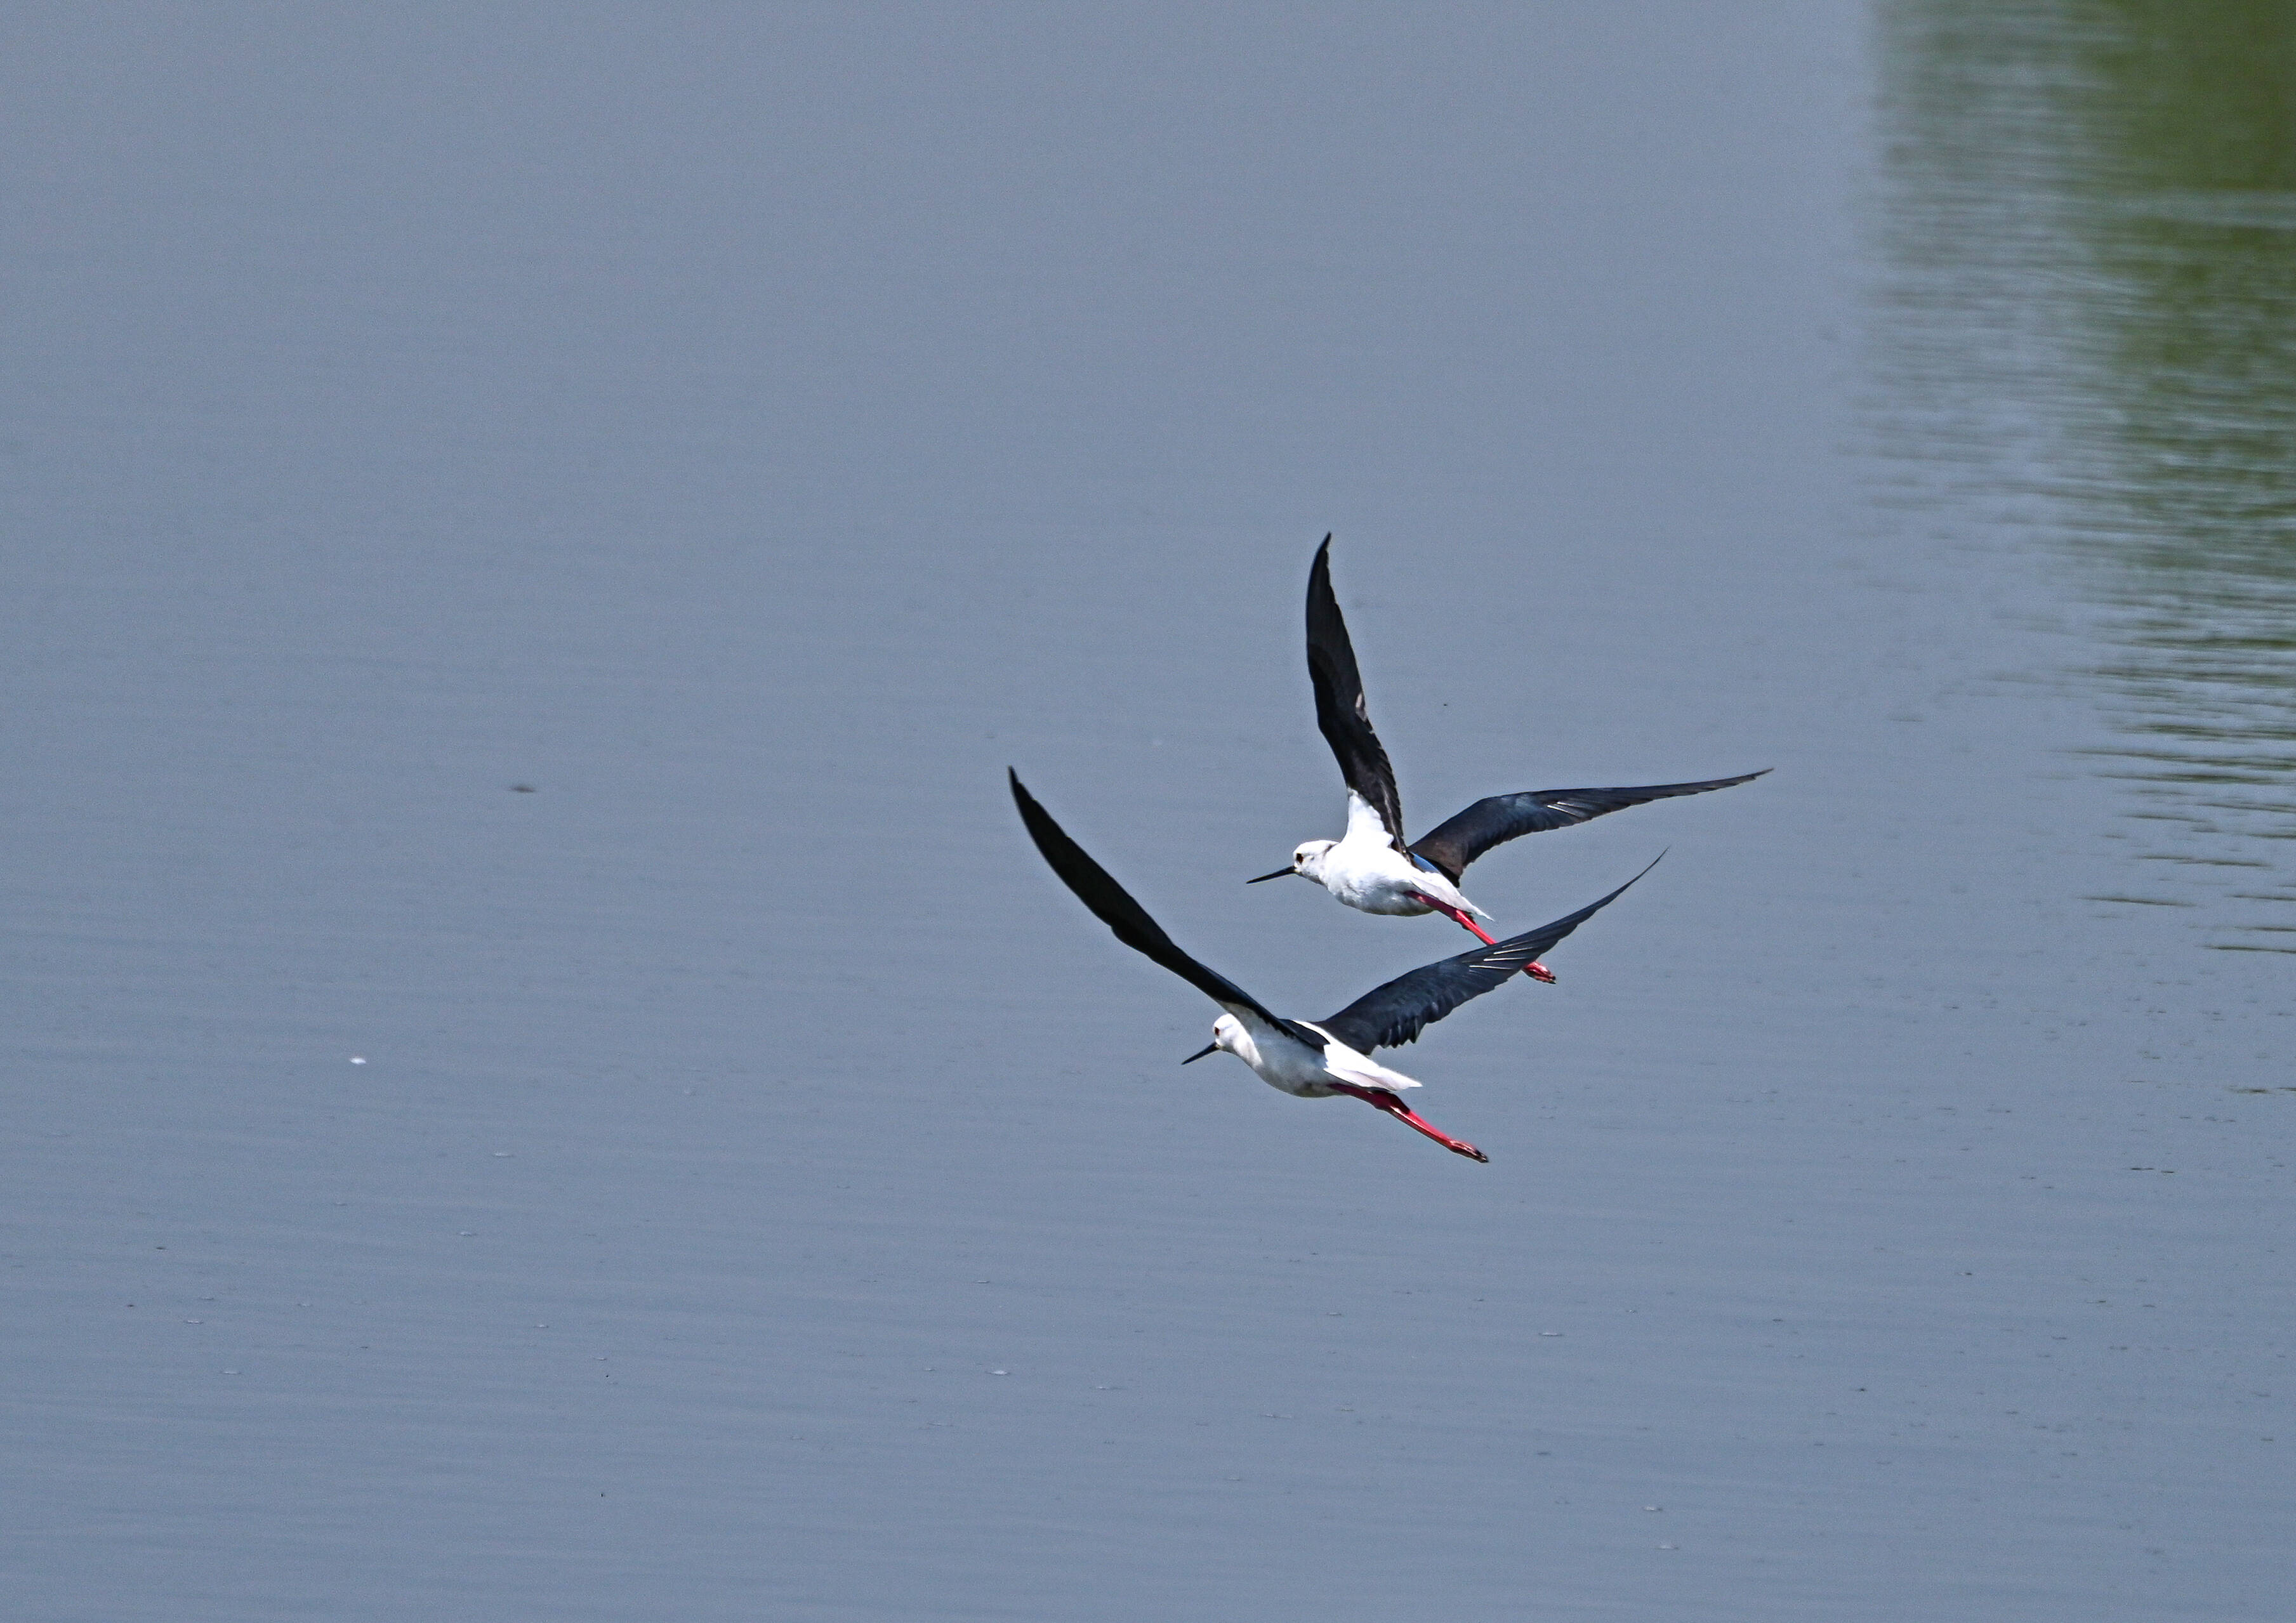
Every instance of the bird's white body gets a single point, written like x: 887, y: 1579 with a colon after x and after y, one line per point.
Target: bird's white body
x: 1368, y: 873
x: 1291, y: 1066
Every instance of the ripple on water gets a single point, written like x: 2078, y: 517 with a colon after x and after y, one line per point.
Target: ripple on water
x: 2088, y: 342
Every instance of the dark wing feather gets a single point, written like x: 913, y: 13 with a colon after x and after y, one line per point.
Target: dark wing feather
x: 1117, y: 910
x: 1453, y: 845
x: 1407, y: 1005
x: 1339, y: 710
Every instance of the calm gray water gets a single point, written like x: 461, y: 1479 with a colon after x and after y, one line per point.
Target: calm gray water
x: 734, y: 1180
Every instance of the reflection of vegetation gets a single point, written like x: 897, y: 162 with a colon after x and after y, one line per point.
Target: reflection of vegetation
x: 2093, y: 207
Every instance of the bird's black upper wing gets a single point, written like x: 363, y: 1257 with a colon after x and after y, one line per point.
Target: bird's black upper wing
x: 1452, y: 845
x: 1339, y: 710
x: 1117, y: 910
x: 1407, y: 1005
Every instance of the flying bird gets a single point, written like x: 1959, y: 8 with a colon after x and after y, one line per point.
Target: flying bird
x: 1308, y: 1059
x: 1372, y: 869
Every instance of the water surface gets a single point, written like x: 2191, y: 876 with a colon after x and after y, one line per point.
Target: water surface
x: 547, y: 1083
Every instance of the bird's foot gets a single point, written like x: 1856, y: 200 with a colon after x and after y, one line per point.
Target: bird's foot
x: 1539, y: 972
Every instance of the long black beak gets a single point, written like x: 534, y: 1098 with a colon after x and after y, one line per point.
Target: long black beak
x: 1279, y: 873
x: 1207, y: 1048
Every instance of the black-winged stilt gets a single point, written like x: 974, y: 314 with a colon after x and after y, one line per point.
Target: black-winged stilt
x: 1372, y: 869
x: 1308, y: 1058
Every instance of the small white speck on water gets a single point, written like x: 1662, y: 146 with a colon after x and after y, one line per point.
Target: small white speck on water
x: 467, y: 1233
x: 504, y: 1155
x: 1102, y: 1389
x: 542, y: 1326
x: 231, y: 1371
x: 1666, y: 1547
x: 1550, y: 1332
x: 997, y: 1372
x: 1650, y: 1507
x: 194, y: 1321
x: 359, y: 1059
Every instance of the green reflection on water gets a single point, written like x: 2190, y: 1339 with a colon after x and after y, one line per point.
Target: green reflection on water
x: 2089, y: 214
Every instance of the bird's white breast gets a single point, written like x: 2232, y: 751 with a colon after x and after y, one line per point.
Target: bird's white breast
x: 1373, y: 881
x: 1291, y: 1066
x: 1368, y: 873
x: 1276, y: 1057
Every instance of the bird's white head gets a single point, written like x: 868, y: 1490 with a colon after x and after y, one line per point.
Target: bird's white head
x: 1308, y: 861
x: 1228, y: 1033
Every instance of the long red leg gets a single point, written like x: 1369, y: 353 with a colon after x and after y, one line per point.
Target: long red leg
x: 1378, y: 1098
x: 1536, y: 972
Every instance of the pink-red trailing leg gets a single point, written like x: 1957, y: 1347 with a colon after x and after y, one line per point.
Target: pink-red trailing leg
x: 1536, y: 972
x: 1378, y: 1098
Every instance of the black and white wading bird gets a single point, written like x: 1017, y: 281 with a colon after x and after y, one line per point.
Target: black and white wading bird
x: 1372, y: 869
x: 1308, y: 1059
